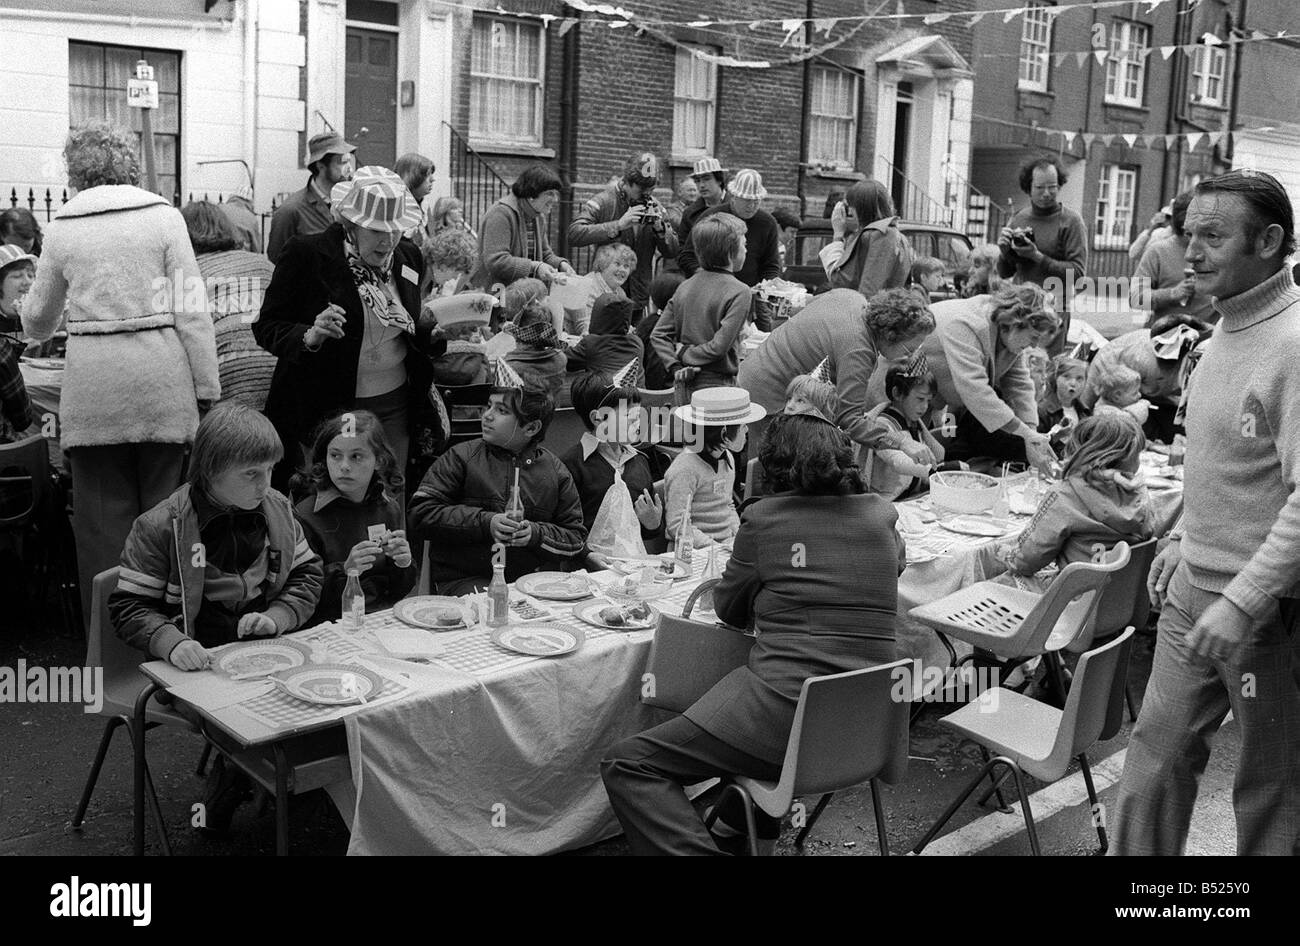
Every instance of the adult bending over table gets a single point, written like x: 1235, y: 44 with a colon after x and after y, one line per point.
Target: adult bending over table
x: 341, y: 315
x: 142, y: 356
x: 977, y: 356
x: 834, y: 615
x: 853, y: 334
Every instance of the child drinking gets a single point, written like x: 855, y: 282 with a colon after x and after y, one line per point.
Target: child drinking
x: 223, y: 557
x: 353, y: 518
x: 1059, y: 410
x: 701, y: 478
x: 893, y: 473
x: 615, y: 484
x: 460, y: 504
x: 698, y: 335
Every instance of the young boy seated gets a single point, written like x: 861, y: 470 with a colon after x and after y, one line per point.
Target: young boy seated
x: 227, y: 540
x: 1119, y: 388
x: 698, y: 335
x: 813, y: 393
x: 662, y: 289
x: 894, y: 474
x: 609, y: 345
x: 622, y: 525
x: 459, y: 506
x: 927, y: 276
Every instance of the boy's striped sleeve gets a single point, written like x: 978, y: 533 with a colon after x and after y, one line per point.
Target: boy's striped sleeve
x: 145, y: 607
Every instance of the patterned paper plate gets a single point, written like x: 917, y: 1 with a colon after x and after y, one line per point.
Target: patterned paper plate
x: 973, y: 525
x: 554, y: 586
x: 600, y: 614
x: 539, y: 640
x: 435, y: 613
x: 330, y: 684
x: 262, y: 658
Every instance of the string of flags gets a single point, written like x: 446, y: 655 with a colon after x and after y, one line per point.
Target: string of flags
x: 1189, y: 49
x: 1193, y: 139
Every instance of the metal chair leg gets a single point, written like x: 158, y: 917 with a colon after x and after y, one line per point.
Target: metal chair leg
x: 156, y: 812
x: 137, y: 730
x: 104, y: 742
x: 873, y: 786
x: 747, y: 803
x: 996, y: 787
x: 1093, y: 807
x: 202, y: 770
x: 1132, y: 707
x: 281, y: 802
x: 817, y: 813
x: 1017, y: 775
x: 956, y: 803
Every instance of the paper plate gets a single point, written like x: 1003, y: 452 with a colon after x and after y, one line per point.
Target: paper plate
x: 330, y: 684
x: 921, y: 556
x: 973, y: 525
x: 554, y: 586
x: 262, y: 658
x: 539, y: 640
x: 408, y: 643
x: 45, y: 364
x: 666, y: 566
x: 425, y: 610
x: 590, y: 612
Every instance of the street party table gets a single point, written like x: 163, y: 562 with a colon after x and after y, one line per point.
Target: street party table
x: 43, y: 378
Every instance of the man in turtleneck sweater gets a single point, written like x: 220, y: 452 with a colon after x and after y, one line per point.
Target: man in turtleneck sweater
x: 1230, y: 576
x: 1055, y: 251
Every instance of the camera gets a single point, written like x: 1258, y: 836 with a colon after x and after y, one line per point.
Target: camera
x: 1022, y: 237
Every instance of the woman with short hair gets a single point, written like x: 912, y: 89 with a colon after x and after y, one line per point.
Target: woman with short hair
x: 342, y: 314
x: 142, y: 356
x: 512, y: 242
x: 985, y: 398
x: 236, y: 281
x: 830, y: 610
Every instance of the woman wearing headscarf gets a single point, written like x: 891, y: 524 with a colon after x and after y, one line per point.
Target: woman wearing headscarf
x: 875, y: 255
x: 341, y: 314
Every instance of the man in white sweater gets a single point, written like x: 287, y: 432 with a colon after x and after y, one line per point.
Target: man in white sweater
x: 1228, y: 580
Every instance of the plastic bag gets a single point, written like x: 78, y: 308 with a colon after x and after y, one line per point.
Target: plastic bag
x: 616, y: 531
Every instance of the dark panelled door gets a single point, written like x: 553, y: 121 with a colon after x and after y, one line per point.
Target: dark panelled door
x: 370, y: 96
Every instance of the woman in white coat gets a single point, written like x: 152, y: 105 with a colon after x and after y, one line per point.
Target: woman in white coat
x: 142, y: 357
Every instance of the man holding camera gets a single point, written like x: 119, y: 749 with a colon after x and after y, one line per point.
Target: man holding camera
x: 627, y: 212
x: 1045, y: 243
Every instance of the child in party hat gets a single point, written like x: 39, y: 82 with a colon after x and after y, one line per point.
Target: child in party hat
x: 813, y: 393
x: 893, y: 473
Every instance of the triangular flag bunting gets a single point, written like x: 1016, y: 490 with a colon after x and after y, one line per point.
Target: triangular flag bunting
x: 976, y: 17
x: 1059, y: 58
x: 825, y: 25
x: 1146, y: 51
x: 1069, y: 138
x: 822, y: 372
x: 1088, y: 139
x: 1258, y: 34
x: 1129, y: 139
x: 1209, y: 39
x: 565, y: 26
x: 1079, y: 59
x: 1194, y: 139
x: 1170, y: 140
x: 1011, y: 15
x: 1152, y: 4
x: 1167, y: 51
x: 700, y: 23
x: 1141, y: 140
x: 1106, y: 140
x: 933, y: 18
x: 507, y: 377
x: 1100, y: 55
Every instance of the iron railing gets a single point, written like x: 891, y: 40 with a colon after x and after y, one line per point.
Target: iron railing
x: 913, y: 202
x: 473, y: 180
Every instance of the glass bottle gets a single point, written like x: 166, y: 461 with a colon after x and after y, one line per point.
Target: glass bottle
x: 685, y: 546
x: 354, y: 602
x: 498, y: 598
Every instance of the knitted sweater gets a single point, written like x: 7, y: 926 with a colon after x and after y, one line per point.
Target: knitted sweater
x: 1060, y: 236
x: 236, y: 281
x: 762, y: 246
x: 690, y: 479
x: 701, y: 324
x: 1242, y: 509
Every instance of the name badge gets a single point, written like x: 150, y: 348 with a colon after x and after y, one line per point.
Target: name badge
x: 410, y: 275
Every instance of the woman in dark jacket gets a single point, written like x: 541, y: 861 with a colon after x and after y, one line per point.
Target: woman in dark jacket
x: 341, y: 314
x: 815, y: 572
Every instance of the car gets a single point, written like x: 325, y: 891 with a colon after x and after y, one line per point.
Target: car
x: 927, y: 239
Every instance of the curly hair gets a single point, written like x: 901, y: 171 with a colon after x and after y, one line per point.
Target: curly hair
x: 387, y: 480
x: 810, y: 456
x: 450, y: 249
x: 99, y: 153
x: 1026, y: 178
x: 1023, y: 304
x: 897, y: 315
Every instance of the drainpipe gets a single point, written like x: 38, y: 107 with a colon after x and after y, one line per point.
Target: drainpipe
x: 802, y: 164
x: 568, y: 132
x: 1230, y: 151
x: 250, y: 93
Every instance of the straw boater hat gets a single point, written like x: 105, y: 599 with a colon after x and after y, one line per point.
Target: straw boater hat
x: 706, y: 166
x: 376, y: 199
x: 329, y: 142
x: 747, y: 185
x: 720, y: 407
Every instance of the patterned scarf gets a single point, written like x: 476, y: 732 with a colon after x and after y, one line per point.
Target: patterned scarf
x: 537, y: 335
x: 372, y: 287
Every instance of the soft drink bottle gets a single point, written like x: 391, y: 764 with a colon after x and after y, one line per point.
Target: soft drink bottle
x: 354, y: 602
x: 498, y: 598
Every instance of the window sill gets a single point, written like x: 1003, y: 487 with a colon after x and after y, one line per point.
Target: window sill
x: 1027, y: 95
x: 1209, y: 106
x: 1136, y: 112
x: 836, y: 174
x: 686, y: 160
x: 497, y: 147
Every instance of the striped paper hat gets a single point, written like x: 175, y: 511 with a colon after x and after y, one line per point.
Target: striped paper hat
x: 823, y: 371
x: 376, y: 199
x: 507, y: 377
x: 627, y: 376
x: 917, y: 365
x: 747, y: 185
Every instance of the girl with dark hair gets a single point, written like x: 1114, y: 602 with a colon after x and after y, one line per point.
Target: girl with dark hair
x: 353, y: 516
x: 512, y: 239
x: 876, y: 255
x: 826, y: 608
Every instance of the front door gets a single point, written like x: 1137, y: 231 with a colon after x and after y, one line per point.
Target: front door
x: 902, y: 139
x: 370, y: 96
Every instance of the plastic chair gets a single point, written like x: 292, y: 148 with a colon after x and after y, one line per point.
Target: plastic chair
x: 1125, y: 602
x: 1018, y: 625
x: 465, y: 396
x: 849, y: 728
x: 753, y: 478
x: 687, y: 658
x: 122, y: 684
x: 1033, y: 738
x: 30, y: 503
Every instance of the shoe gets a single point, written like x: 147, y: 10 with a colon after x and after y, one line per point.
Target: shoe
x: 227, y: 789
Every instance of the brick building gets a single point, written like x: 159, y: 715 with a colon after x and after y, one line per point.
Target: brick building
x: 1029, y: 77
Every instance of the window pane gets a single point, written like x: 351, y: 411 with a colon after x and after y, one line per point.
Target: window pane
x: 119, y: 65
x: 85, y: 65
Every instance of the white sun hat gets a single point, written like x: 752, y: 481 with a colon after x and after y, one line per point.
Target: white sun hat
x: 376, y: 199
x: 747, y: 185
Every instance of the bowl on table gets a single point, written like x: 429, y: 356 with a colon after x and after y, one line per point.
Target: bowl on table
x: 960, y: 491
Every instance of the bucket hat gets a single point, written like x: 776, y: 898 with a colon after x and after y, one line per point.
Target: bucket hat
x: 747, y: 185
x: 708, y: 166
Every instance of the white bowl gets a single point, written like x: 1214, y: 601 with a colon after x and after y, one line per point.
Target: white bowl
x: 963, y: 492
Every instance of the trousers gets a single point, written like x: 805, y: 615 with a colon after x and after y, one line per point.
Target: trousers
x: 645, y: 777
x: 1186, y: 701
